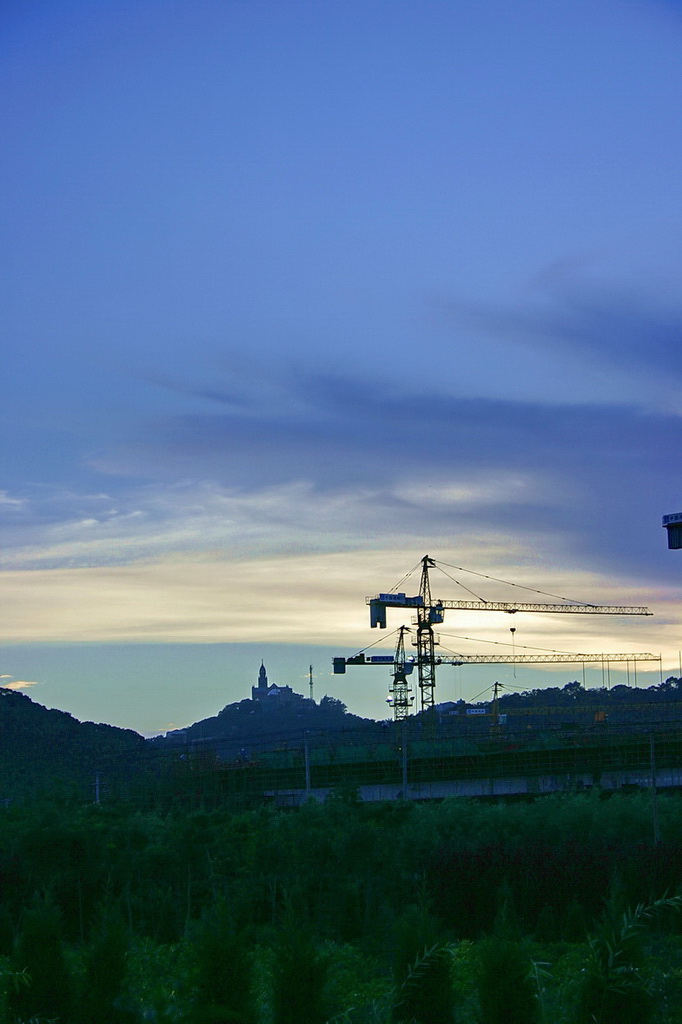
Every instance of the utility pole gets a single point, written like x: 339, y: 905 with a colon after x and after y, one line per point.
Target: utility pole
x: 403, y: 753
x: 496, y: 707
x: 306, y: 754
x: 310, y: 676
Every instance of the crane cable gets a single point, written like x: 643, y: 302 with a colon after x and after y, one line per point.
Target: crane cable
x: 460, y: 584
x: 482, y: 692
x: 508, y: 583
x: 405, y: 577
x: 501, y: 643
x: 381, y: 640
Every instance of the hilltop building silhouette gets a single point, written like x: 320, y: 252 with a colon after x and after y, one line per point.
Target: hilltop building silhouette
x: 269, y: 691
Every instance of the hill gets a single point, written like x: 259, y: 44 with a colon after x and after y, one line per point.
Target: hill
x: 44, y: 751
x: 47, y: 750
x: 266, y: 722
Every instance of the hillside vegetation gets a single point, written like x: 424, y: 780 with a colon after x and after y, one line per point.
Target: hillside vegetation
x: 43, y: 751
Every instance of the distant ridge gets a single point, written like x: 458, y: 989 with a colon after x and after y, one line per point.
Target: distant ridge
x: 43, y: 750
x: 258, y: 721
x: 49, y: 752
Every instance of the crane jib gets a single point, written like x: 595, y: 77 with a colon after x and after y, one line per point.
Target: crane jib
x: 497, y: 659
x: 378, y: 606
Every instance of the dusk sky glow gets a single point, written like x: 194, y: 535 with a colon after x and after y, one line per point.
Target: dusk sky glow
x: 297, y: 292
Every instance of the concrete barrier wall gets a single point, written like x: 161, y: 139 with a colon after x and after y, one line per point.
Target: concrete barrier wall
x: 534, y: 785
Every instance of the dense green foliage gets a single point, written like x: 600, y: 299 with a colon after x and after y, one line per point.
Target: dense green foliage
x: 47, y: 752
x: 461, y: 912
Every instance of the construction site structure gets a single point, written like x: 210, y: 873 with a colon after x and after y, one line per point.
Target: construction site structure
x: 430, y: 612
x: 673, y: 524
x: 361, y: 658
x: 401, y: 697
x: 402, y: 700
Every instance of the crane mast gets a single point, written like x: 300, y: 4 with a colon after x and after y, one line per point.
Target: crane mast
x: 426, y: 641
x: 401, y: 697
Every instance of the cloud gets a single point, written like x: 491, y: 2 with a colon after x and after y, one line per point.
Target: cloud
x: 322, y: 463
x: 17, y: 684
x: 9, y: 504
x: 617, y: 326
x: 356, y: 467
x: 352, y: 433
x: 270, y: 521
x: 386, y: 453
x: 319, y: 598
x: 209, y: 522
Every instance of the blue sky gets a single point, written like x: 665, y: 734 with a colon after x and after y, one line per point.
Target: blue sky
x: 297, y: 292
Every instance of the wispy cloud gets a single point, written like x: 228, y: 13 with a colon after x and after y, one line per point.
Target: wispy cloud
x: 352, y: 434
x: 304, y: 490
x: 625, y: 328
x: 358, y: 465
x: 9, y: 504
x: 8, y: 682
x: 310, y: 598
x: 383, y: 453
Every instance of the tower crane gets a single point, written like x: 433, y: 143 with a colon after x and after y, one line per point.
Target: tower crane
x: 402, y: 700
x: 430, y: 612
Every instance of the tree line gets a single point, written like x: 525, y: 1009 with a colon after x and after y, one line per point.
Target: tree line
x: 561, y: 909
